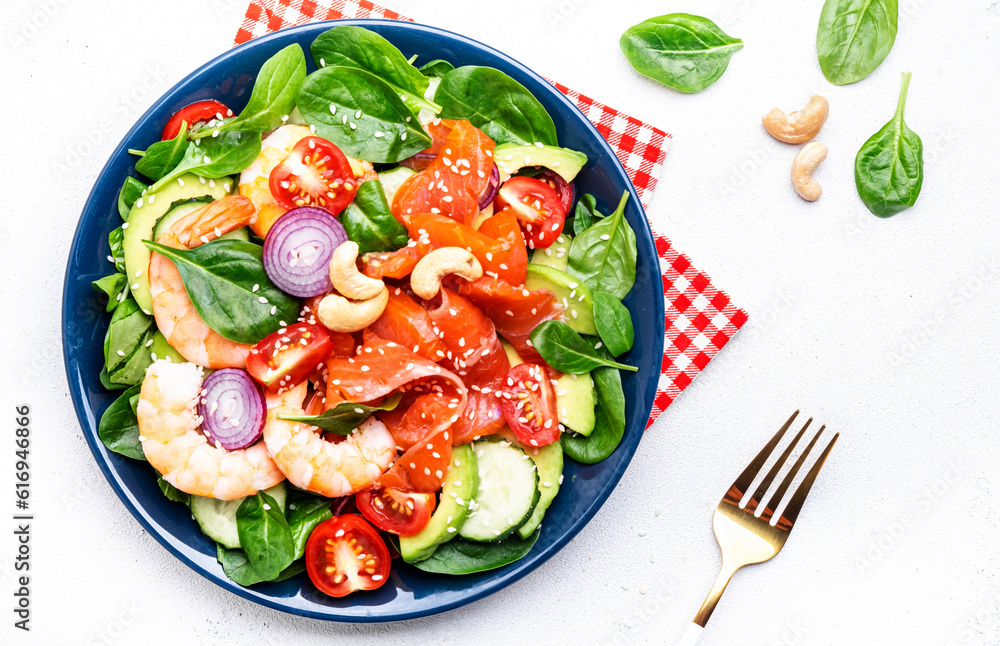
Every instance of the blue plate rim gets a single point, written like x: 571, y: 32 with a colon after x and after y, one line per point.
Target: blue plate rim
x: 518, y: 569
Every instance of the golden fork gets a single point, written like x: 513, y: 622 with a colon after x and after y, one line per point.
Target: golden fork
x: 747, y: 535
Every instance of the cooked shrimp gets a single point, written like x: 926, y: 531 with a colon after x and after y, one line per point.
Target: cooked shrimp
x: 312, y: 463
x: 175, y: 315
x: 169, y: 428
x: 254, y: 180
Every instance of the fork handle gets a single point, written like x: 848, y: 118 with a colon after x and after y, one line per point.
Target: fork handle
x: 691, y: 635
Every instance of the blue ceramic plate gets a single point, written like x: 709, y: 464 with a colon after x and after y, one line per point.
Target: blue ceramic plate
x: 410, y: 593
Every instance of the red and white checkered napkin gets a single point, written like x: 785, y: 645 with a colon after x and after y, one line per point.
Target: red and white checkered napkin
x: 700, y: 317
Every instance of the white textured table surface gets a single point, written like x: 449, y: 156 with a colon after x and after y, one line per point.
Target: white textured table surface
x: 884, y: 329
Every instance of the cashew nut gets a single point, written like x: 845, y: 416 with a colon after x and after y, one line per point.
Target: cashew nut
x: 798, y: 127
x: 803, y: 167
x: 347, y: 279
x: 341, y: 315
x: 425, y: 280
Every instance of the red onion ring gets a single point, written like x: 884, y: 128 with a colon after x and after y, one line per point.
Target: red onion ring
x: 298, y: 248
x: 232, y: 409
x: 492, y: 186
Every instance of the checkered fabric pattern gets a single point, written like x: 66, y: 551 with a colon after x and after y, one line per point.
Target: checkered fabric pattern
x: 700, y: 318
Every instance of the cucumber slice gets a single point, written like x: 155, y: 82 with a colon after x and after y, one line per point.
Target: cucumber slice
x: 508, y: 492
x: 179, y: 211
x: 217, y: 518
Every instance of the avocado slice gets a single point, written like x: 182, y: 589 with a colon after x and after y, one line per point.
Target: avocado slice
x: 145, y: 213
x: 557, y: 254
x: 548, y: 461
x: 161, y: 349
x: 575, y: 400
x: 575, y: 296
x: 566, y: 163
x: 460, y: 486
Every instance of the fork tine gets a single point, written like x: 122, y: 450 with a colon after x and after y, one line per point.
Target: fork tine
x: 791, y: 512
x: 743, y: 482
x: 779, y: 493
x: 773, y: 473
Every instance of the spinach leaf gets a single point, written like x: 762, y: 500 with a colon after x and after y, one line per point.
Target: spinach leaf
x: 610, y: 418
x: 889, y: 168
x: 172, y: 492
x: 361, y: 114
x: 265, y: 535
x: 614, y: 323
x: 237, y: 566
x: 604, y: 255
x: 682, y: 51
x: 107, y: 383
x: 370, y: 223
x: 358, y: 47
x: 496, y: 104
x: 163, y: 156
x: 305, y: 512
x: 586, y: 214
x: 345, y: 417
x: 297, y: 567
x: 116, y: 288
x: 119, y: 428
x: 116, y: 240
x: 273, y: 95
x: 215, y: 157
x: 436, y: 67
x: 220, y: 278
x: 131, y: 191
x: 854, y: 37
x: 567, y: 351
x: 459, y: 556
x: 128, y: 329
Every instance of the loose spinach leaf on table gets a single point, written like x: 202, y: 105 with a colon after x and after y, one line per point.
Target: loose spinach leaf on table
x: 614, y: 323
x: 685, y: 52
x: 265, y: 535
x: 350, y: 46
x: 361, y: 114
x: 496, y: 104
x: 604, y: 255
x: 119, y: 428
x: 567, y: 351
x: 370, y: 223
x: 345, y: 417
x: 215, y: 157
x: 854, y: 37
x: 163, y: 156
x: 172, y: 492
x: 889, y: 168
x: 586, y: 214
x: 436, y: 67
x: 131, y: 191
x: 459, y: 556
x: 220, y: 277
x: 609, y: 417
x: 273, y: 95
x: 305, y: 512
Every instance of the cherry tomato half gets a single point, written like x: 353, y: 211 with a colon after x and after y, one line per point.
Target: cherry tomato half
x: 398, y: 512
x: 344, y: 554
x: 316, y: 173
x: 529, y: 404
x: 194, y: 114
x: 538, y: 207
x: 289, y: 356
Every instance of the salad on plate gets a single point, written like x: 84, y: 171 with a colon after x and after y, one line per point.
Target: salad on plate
x: 365, y: 318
